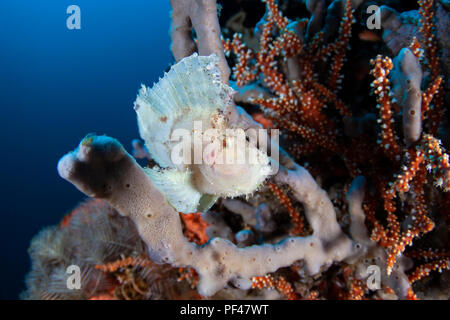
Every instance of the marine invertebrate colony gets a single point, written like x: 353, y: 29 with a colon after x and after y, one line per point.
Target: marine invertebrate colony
x: 191, y: 98
x: 332, y: 226
x: 111, y: 256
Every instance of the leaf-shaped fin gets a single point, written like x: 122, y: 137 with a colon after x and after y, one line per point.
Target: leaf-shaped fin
x: 179, y: 191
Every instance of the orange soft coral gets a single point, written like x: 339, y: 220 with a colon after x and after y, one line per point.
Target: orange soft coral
x: 279, y: 283
x: 296, y: 218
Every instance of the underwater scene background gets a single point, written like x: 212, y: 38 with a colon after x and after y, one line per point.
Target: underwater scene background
x: 356, y: 208
x: 56, y: 85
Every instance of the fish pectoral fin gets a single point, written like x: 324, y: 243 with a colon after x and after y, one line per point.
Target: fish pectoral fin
x: 179, y: 191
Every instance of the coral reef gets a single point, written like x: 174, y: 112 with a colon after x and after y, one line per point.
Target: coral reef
x: 362, y: 110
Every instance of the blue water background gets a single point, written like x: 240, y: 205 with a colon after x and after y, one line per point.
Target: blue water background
x: 56, y: 85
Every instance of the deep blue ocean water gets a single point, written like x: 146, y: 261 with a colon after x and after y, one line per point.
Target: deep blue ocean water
x: 57, y: 85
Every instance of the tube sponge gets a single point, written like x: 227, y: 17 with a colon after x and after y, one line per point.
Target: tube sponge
x: 406, y: 78
x: 101, y: 167
x: 200, y: 15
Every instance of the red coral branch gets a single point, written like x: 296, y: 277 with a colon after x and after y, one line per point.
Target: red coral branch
x: 280, y: 283
x: 389, y: 141
x: 296, y: 218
